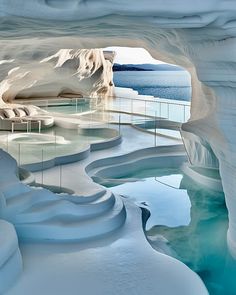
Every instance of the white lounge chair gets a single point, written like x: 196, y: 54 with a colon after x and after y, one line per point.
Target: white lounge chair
x: 30, y: 114
x: 9, y: 122
x: 23, y: 119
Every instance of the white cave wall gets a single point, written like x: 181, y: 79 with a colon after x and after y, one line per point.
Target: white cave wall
x: 83, y: 72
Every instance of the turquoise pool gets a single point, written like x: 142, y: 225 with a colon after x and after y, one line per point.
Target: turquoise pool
x: 26, y: 150
x: 68, y: 108
x: 187, y: 222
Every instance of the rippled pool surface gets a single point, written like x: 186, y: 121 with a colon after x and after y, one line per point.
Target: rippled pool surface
x: 187, y: 221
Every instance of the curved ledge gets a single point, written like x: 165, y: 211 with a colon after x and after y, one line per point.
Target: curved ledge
x: 159, y: 124
x: 153, y: 152
x: 81, y: 155
x: 106, y: 144
x: 58, y: 161
x: 35, y: 138
x: 55, y: 189
x: 151, y: 161
x: 26, y: 176
x: 205, y: 180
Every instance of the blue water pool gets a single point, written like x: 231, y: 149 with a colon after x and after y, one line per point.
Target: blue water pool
x: 52, y: 142
x: 187, y: 221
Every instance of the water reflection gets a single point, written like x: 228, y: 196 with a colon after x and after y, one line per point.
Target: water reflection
x: 188, y: 222
x: 202, y: 244
x: 169, y: 206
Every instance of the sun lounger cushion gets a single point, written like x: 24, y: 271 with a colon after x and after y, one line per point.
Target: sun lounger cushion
x: 30, y: 110
x: 19, y: 112
x: 8, y: 113
x: 2, y: 114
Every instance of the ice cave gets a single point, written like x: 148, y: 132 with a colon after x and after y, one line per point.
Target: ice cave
x: 117, y: 149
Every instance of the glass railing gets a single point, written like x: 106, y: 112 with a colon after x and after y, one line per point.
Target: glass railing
x: 68, y: 105
x: 139, y: 112
x: 173, y: 110
x: 178, y: 111
x: 28, y: 148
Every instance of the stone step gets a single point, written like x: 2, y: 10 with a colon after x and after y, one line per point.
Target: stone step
x: 127, y: 167
x: 66, y: 229
x: 26, y: 200
x: 45, y: 210
x: 77, y: 198
x: 128, y: 159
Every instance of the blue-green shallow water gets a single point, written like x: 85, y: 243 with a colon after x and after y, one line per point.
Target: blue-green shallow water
x: 188, y: 222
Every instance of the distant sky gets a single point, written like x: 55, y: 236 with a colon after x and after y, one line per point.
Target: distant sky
x: 127, y: 55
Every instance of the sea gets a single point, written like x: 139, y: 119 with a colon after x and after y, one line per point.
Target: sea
x: 163, y: 81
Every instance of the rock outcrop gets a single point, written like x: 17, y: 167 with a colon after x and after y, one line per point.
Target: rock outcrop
x: 77, y: 72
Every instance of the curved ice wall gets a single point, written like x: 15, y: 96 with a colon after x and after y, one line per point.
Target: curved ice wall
x: 198, y: 35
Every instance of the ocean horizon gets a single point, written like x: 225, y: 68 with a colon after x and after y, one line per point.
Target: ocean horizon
x: 162, y: 81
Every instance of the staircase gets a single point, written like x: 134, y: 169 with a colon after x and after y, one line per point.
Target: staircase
x: 39, y: 214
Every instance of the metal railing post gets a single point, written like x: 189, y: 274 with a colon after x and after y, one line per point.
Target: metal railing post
x: 42, y: 166
x: 19, y: 151
x: 155, y: 129
x: 145, y: 108
x: 60, y: 176
x: 7, y: 141
x: 119, y: 123
x: 55, y: 142
x: 184, y: 113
